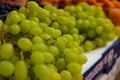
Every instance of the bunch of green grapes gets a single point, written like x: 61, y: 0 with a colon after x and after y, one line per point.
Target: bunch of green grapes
x: 93, y: 24
x: 40, y: 44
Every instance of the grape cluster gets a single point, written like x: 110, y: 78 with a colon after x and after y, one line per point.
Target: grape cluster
x: 48, y: 43
x: 92, y: 23
x: 40, y: 44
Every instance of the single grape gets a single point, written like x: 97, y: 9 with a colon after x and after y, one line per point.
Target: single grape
x: 82, y: 59
x: 42, y: 71
x: 49, y: 58
x: 88, y: 46
x: 37, y: 57
x: 37, y: 39
x: 53, y: 50
x: 6, y: 68
x: 55, y: 25
x: 14, y: 29
x: 77, y: 77
x: 39, y: 47
x: 36, y: 31
x: 25, y: 44
x: 53, y: 16
x: 23, y: 10
x: 25, y: 26
x: 22, y: 16
x: 21, y: 70
x: 100, y: 42
x: 74, y: 68
x: 117, y: 31
x: 52, y: 67
x: 66, y: 75
x: 43, y: 14
x: 60, y: 64
x: 99, y: 29
x: 6, y: 51
x: 32, y: 6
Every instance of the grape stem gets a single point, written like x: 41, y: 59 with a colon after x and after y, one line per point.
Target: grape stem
x: 21, y: 55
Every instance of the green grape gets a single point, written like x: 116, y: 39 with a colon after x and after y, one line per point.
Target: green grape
x: 58, y: 33
x: 68, y: 37
x: 81, y: 38
x: 13, y: 59
x: 117, y: 31
x: 8, y: 21
x: 100, y: 21
x: 74, y: 31
x: 25, y: 26
x: 99, y: 29
x: 55, y: 76
x: 42, y: 71
x: 43, y: 25
x: 46, y: 20
x: 88, y: 46
x: 82, y: 15
x: 82, y: 59
x: 36, y: 31
x: 6, y: 51
x: 21, y: 70
x: 37, y: 39
x: 59, y: 12
x: 53, y: 50
x: 52, y: 67
x: 23, y: 10
x: 14, y: 29
x: 65, y: 75
x: 93, y: 25
x: 100, y: 42
x: 81, y: 50
x: 45, y: 36
x: 61, y: 42
x: 48, y: 57
x: 43, y: 14
x: 34, y: 24
x: 78, y: 77
x: 76, y: 38
x: 50, y: 31
x: 37, y: 57
x: 107, y: 27
x: 22, y: 16
x: 64, y: 29
x: 60, y: 64
x: 62, y: 20
x: 6, y: 68
x: 91, y: 34
x: 32, y: 6
x: 86, y: 24
x: 69, y: 56
x: 70, y: 8
x: 74, y: 68
x: 55, y: 25
x: 78, y: 9
x: 24, y: 44
x: 34, y: 19
x: 14, y: 18
x: 53, y: 16
x: 39, y: 47
x: 50, y: 8
x: 110, y: 36
x: 71, y: 23
x: 79, y: 24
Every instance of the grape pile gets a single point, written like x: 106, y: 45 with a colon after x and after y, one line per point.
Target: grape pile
x: 48, y: 43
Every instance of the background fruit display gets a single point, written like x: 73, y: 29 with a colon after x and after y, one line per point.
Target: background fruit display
x: 49, y: 43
